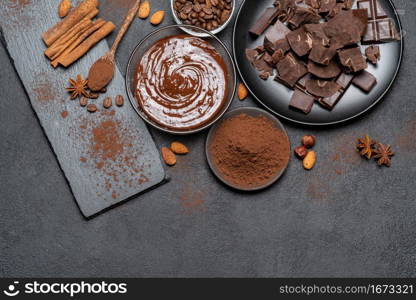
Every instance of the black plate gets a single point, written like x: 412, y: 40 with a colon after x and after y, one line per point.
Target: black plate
x: 276, y: 96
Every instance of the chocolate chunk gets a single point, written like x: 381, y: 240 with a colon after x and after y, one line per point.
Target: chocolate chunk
x: 365, y: 81
x: 300, y: 41
x: 278, y: 55
x: 335, y: 10
x: 313, y: 3
x: 352, y: 59
x: 317, y: 33
x: 267, y: 18
x: 290, y: 70
x: 275, y: 36
x: 344, y: 80
x: 321, y: 54
x: 344, y: 29
x: 373, y: 54
x: 251, y: 55
x: 321, y: 88
x: 330, y: 71
x: 326, y: 6
x: 264, y: 75
x: 261, y: 64
x: 361, y: 16
x: 303, y: 16
x: 286, y: 9
x: 380, y: 27
x: 301, y: 101
x: 268, y: 59
x: 330, y: 102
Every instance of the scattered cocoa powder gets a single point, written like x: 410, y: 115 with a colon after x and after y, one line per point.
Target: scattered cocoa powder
x: 249, y: 151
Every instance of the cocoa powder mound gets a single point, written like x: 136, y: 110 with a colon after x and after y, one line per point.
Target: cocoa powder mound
x: 249, y: 151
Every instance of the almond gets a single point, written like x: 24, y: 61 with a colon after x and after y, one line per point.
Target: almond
x: 168, y: 156
x: 179, y: 148
x: 310, y: 160
x: 144, y: 10
x: 64, y: 8
x: 157, y: 17
x: 242, y: 92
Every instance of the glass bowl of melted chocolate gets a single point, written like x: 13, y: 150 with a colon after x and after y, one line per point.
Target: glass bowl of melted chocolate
x: 180, y: 83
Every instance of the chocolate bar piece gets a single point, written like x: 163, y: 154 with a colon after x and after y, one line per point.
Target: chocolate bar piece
x: 352, y: 59
x: 321, y: 54
x: 344, y: 81
x: 317, y: 33
x: 330, y: 71
x: 365, y: 81
x: 300, y: 41
x: 276, y: 37
x: 303, y: 16
x: 373, y: 54
x: 326, y: 6
x: 344, y: 29
x: 301, y: 101
x: 290, y: 70
x: 321, y: 88
x: 267, y: 18
x: 380, y: 27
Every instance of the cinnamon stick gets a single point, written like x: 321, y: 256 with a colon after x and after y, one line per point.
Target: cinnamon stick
x: 76, y: 15
x: 66, y: 59
x: 72, y: 44
x: 63, y: 40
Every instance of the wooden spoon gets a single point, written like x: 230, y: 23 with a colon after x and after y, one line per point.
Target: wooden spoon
x: 102, y: 71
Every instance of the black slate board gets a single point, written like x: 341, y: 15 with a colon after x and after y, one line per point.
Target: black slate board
x: 96, y: 182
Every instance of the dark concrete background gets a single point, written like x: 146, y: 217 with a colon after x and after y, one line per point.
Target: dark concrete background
x: 347, y: 217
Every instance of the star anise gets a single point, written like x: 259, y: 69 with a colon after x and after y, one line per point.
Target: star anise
x: 383, y: 154
x: 78, y: 87
x: 365, y: 146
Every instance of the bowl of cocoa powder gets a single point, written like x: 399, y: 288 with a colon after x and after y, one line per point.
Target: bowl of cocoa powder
x: 248, y: 149
x: 211, y: 15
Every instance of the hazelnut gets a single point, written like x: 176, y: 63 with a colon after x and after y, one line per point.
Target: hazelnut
x: 301, y: 152
x: 308, y: 141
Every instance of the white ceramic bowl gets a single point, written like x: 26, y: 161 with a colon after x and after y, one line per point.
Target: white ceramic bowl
x: 201, y: 34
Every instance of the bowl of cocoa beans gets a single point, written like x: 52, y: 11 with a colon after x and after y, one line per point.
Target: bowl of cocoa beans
x: 211, y: 15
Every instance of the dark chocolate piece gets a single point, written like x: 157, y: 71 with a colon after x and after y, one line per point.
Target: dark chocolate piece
x: 301, y: 101
x: 276, y: 37
x: 330, y: 71
x: 317, y: 33
x: 321, y: 54
x: 251, y: 55
x: 344, y: 29
x: 267, y: 18
x: 373, y: 54
x: 330, y: 102
x: 344, y: 81
x: 365, y: 81
x: 380, y: 27
x: 303, y: 16
x: 361, y: 16
x: 326, y: 6
x: 278, y: 55
x: 268, y: 59
x: 313, y: 3
x: 264, y: 75
x: 290, y: 70
x: 286, y: 9
x: 300, y: 41
x: 321, y: 88
x: 352, y: 59
x: 261, y: 65
x: 335, y: 10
